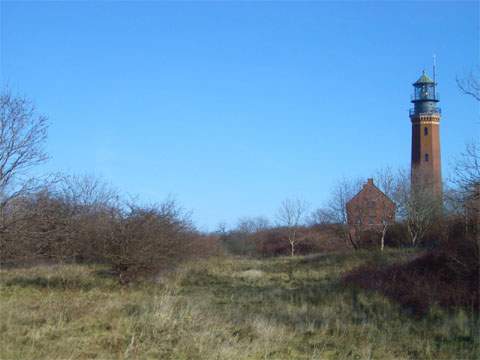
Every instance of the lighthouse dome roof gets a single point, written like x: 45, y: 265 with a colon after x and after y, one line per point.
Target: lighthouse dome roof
x: 424, y: 79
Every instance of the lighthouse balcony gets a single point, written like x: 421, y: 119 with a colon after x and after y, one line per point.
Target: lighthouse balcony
x: 433, y: 96
x: 436, y: 111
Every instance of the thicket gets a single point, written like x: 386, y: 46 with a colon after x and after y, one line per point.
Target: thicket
x: 273, y: 241
x: 80, y: 219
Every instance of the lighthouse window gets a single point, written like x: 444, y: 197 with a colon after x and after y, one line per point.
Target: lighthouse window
x: 425, y: 131
x: 426, y: 157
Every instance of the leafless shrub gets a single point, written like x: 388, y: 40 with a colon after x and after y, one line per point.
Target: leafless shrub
x: 148, y: 239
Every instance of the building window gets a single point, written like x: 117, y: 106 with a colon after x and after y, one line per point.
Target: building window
x: 426, y: 157
x: 425, y: 131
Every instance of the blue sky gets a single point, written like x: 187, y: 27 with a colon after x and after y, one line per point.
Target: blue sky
x: 234, y: 106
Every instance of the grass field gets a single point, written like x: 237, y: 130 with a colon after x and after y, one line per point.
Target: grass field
x: 222, y: 308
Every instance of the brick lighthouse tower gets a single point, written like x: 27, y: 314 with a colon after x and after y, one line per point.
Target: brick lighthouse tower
x: 425, y: 117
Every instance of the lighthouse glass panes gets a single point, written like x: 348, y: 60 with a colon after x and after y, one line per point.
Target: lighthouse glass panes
x: 425, y: 92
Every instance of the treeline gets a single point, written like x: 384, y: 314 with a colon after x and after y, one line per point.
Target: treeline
x: 274, y: 240
x: 423, y: 218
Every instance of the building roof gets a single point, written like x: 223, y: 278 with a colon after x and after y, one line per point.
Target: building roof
x: 370, y: 187
x: 424, y: 79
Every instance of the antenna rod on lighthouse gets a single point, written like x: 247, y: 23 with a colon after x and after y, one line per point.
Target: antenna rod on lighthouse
x: 434, y: 66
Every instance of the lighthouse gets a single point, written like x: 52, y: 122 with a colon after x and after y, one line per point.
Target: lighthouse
x: 425, y: 118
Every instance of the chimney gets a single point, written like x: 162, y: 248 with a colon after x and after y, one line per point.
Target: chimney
x: 370, y: 182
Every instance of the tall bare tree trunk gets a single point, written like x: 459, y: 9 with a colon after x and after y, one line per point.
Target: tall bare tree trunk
x: 292, y: 239
x: 352, y: 241
x: 384, y: 231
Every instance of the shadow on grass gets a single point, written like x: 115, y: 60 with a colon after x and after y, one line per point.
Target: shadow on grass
x: 435, y: 278
x: 106, y: 274
x: 327, y: 292
x: 56, y: 282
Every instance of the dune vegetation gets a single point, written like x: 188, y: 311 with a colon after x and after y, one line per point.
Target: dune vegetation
x: 224, y: 308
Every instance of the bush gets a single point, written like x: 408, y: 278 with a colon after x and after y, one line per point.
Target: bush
x: 397, y: 235
x: 237, y: 242
x: 146, y: 240
x: 82, y: 220
x: 272, y: 242
x: 447, y: 276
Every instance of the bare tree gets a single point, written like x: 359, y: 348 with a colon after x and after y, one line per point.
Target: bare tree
x: 291, y: 215
x: 358, y: 222
x: 463, y: 198
x: 387, y: 182
x: 467, y: 168
x: 386, y: 221
x: 22, y: 137
x: 221, y: 228
x: 250, y: 225
x: 335, y: 211
x: 418, y: 207
x: 470, y: 84
x: 320, y: 216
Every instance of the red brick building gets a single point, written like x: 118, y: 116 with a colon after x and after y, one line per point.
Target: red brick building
x: 370, y: 209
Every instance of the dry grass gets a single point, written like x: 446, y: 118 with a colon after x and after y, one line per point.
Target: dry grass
x: 223, y: 308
